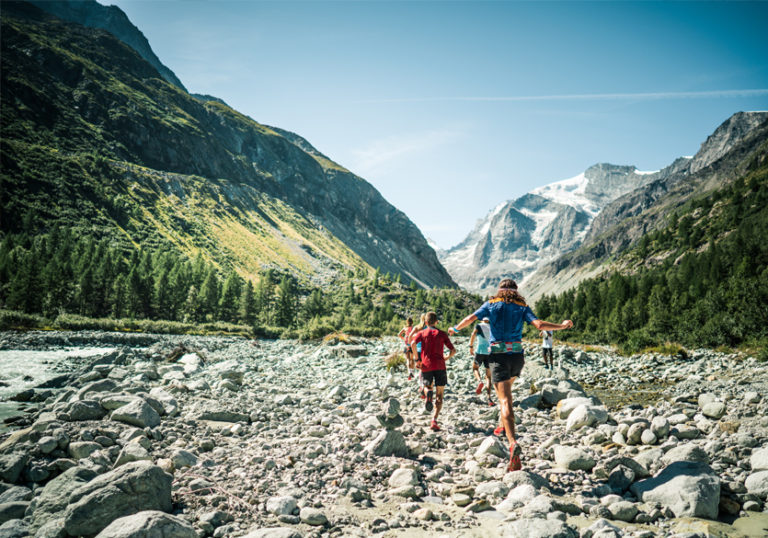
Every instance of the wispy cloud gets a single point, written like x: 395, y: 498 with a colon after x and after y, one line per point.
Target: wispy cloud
x: 386, y: 151
x: 586, y: 96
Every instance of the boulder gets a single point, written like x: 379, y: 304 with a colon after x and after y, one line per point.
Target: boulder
x: 757, y: 484
x: 565, y: 407
x: 573, y: 459
x: 312, y: 516
x: 137, y: 413
x: 82, y: 410
x: 129, y: 489
x: 714, y: 410
x: 538, y: 528
x: 83, y: 449
x: 759, y: 460
x: 11, y: 466
x: 281, y: 506
x: 12, y: 510
x: 660, y: 427
x: 132, y: 452
x: 403, y: 477
x: 492, y: 445
x: 148, y: 524
x: 55, y: 495
x: 685, y: 452
x: 15, y: 528
x: 686, y: 488
x: 586, y: 415
x: 388, y: 443
x: 623, y: 510
x: 15, y: 493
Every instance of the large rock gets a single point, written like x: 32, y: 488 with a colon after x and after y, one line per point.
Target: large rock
x: 281, y: 506
x: 493, y: 446
x: 573, y: 459
x: 148, y: 524
x: 82, y: 410
x: 715, y: 410
x: 11, y: 466
x: 686, y: 488
x: 538, y: 528
x: 403, y: 477
x: 586, y: 415
x: 131, y: 488
x: 55, y: 495
x: 685, y: 452
x: 388, y: 443
x: 137, y: 413
x: 759, y: 460
x: 565, y: 407
x: 757, y: 483
x: 15, y: 528
x: 13, y: 510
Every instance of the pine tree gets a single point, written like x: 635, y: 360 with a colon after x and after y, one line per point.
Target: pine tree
x: 208, y: 298
x: 247, y: 312
x: 285, y: 303
x: 230, y: 297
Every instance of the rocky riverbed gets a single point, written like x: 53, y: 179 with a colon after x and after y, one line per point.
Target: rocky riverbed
x: 208, y: 436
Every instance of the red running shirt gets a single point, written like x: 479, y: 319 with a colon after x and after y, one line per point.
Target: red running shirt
x: 432, y: 343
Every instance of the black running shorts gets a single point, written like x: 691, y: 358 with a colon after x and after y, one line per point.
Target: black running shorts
x: 440, y: 377
x: 481, y: 360
x: 505, y: 366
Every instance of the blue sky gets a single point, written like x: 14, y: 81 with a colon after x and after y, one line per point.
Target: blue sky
x: 449, y: 108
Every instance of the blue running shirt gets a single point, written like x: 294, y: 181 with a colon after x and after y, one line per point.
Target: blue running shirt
x: 506, y: 319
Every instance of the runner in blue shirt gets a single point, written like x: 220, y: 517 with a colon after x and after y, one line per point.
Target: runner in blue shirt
x: 507, y: 311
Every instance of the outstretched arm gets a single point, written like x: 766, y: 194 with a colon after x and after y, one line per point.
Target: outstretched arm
x: 542, y: 325
x: 463, y: 323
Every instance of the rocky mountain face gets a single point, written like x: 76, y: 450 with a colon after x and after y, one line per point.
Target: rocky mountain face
x: 112, y: 19
x: 726, y: 154
x: 518, y: 236
x: 92, y: 137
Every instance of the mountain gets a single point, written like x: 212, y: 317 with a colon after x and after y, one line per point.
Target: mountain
x: 112, y: 19
x: 94, y: 139
x: 723, y: 156
x: 518, y: 236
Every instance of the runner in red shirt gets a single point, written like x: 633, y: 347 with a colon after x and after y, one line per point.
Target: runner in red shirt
x: 433, y: 372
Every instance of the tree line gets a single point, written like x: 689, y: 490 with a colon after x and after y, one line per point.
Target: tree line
x: 710, y: 290
x: 66, y: 272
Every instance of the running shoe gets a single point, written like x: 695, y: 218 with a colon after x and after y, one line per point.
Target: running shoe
x: 514, y: 457
x: 490, y: 403
x: 479, y: 388
x: 428, y: 404
x: 499, y: 431
x: 410, y: 377
x: 434, y: 426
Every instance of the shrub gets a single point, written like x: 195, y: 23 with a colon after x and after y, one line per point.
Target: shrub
x: 11, y: 319
x: 394, y: 361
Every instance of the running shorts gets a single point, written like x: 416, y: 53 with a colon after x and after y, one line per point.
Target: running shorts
x: 505, y: 366
x: 440, y: 377
x: 481, y: 360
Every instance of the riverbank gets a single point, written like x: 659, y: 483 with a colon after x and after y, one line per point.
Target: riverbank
x: 227, y: 436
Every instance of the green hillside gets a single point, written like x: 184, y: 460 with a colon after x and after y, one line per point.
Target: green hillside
x: 700, y: 281
x: 95, y: 141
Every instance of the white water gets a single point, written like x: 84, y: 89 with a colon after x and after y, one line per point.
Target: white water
x: 23, y: 369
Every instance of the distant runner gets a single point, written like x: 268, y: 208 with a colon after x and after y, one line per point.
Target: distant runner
x: 405, y: 336
x: 546, y: 348
x: 481, y: 332
x: 433, y: 370
x: 507, y: 312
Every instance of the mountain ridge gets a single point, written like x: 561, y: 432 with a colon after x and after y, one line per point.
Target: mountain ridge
x: 84, y: 93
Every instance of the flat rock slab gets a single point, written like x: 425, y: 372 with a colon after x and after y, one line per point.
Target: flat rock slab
x: 689, y: 489
x: 137, y: 413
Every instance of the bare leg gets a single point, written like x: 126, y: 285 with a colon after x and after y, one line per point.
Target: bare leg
x: 488, y: 379
x: 506, y: 415
x: 439, y: 391
x: 475, y: 371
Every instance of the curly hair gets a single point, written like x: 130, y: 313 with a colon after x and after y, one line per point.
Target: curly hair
x: 508, y: 292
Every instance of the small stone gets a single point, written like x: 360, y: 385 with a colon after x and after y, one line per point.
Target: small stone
x: 312, y: 516
x: 759, y: 460
x: 284, y: 505
x: 137, y: 413
x: 623, y: 510
x: 714, y: 410
x: 757, y: 484
x: 491, y: 446
x: 403, y: 477
x: 648, y: 437
x: 148, y: 523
